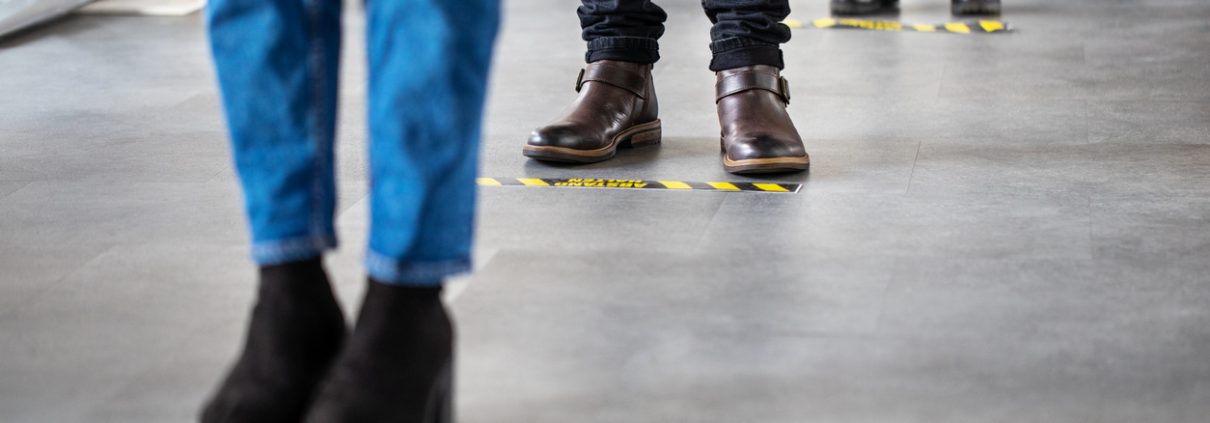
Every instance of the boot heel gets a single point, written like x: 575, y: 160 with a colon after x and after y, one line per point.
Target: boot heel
x: 643, y: 135
x: 441, y: 401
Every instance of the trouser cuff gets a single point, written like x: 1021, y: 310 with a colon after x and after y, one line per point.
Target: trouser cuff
x: 267, y: 253
x: 626, y: 49
x: 739, y: 52
x: 394, y: 271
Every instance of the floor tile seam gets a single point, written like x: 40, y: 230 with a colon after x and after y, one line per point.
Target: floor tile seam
x: 55, y: 183
x: 1047, y: 197
x: 939, y: 98
x: 969, y: 197
x: 1025, y: 97
x: 912, y: 175
x: 452, y: 295
x: 789, y: 334
x: 972, y: 195
x: 930, y: 336
x: 117, y: 247
x: 1198, y: 145
x: 877, y: 334
x: 619, y: 251
x: 42, y: 291
x: 701, y: 238
x: 828, y: 255
x: 862, y: 255
x: 947, y: 143
x: 222, y: 176
x: 23, y: 185
x: 205, y: 178
x: 1150, y: 197
x: 1117, y: 139
x: 978, y: 197
x: 1165, y: 101
x: 347, y: 207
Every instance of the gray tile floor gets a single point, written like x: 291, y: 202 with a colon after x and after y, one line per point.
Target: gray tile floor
x: 995, y: 228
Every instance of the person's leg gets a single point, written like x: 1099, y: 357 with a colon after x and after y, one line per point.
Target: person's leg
x: 428, y: 69
x: 757, y: 133
x: 617, y: 105
x: 747, y: 32
x: 277, y: 62
x: 428, y: 72
x: 623, y: 30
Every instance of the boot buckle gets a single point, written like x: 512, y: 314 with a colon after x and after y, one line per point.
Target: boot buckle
x: 580, y: 80
x: 783, y: 85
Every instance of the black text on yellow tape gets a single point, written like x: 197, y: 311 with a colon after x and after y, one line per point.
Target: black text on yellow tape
x: 963, y: 27
x: 640, y: 184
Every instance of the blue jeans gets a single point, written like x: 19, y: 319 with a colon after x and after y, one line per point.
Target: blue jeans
x: 277, y: 63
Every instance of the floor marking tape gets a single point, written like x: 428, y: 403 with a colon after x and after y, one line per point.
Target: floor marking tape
x: 676, y: 185
x: 640, y: 184
x: 964, y: 27
x: 723, y: 186
x: 531, y: 182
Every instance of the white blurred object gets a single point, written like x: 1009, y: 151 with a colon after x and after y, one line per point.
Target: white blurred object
x: 17, y: 14
x: 144, y: 7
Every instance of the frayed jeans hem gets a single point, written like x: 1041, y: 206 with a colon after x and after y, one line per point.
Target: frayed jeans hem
x: 393, y: 271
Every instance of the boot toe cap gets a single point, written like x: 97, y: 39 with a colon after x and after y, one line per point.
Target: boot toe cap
x: 764, y: 148
x: 557, y: 136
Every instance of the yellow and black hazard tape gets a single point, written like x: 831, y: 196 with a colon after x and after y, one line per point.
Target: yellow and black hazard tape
x: 640, y: 184
x: 964, y: 27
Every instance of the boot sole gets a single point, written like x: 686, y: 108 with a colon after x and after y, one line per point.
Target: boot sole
x: 640, y: 135
x: 769, y: 165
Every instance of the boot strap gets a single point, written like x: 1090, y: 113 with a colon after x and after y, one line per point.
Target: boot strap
x: 740, y: 82
x: 625, y: 79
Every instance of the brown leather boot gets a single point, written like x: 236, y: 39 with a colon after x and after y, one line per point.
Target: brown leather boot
x: 757, y: 136
x: 616, y: 108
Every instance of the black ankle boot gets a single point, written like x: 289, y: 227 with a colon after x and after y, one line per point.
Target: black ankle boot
x: 295, y: 332
x: 397, y: 364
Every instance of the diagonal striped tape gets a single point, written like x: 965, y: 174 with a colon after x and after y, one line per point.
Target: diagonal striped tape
x: 963, y: 27
x: 641, y: 184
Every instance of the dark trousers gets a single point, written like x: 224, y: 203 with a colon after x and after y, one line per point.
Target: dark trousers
x: 745, y: 32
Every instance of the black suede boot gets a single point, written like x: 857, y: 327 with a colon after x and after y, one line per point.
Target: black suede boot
x: 295, y: 331
x: 397, y: 364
